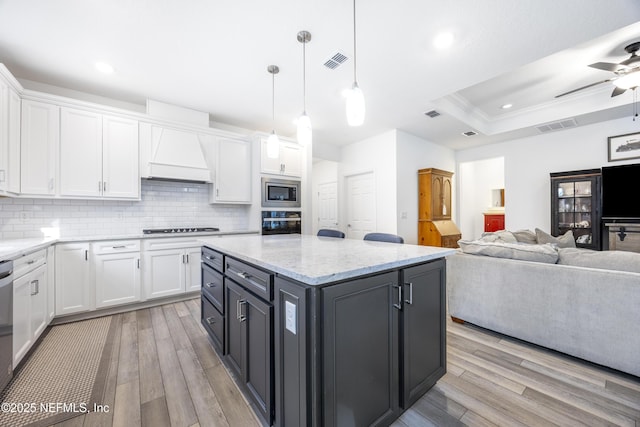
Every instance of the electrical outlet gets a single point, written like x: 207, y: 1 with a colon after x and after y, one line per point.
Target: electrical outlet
x: 290, y: 316
x: 403, y: 215
x: 23, y: 216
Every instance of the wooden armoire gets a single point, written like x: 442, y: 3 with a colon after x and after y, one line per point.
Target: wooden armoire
x: 435, y: 227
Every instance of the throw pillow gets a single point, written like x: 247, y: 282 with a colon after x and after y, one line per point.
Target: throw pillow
x: 518, y: 251
x: 565, y: 241
x: 606, y: 260
x: 498, y: 236
x: 525, y: 236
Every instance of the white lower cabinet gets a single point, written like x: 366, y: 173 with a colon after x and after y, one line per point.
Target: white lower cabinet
x: 171, y: 266
x: 29, y: 302
x: 51, y: 280
x: 116, y: 267
x: 74, y: 284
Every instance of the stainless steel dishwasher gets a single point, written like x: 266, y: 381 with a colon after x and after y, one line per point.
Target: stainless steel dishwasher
x: 6, y: 322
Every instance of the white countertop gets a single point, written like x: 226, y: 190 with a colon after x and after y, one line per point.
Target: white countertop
x: 15, y: 248
x: 320, y: 260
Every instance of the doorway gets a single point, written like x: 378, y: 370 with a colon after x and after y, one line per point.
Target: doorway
x: 328, y: 205
x: 360, y: 205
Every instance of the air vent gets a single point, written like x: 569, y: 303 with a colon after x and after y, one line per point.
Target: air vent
x: 336, y: 60
x: 563, y: 124
x: 432, y: 113
x: 469, y: 133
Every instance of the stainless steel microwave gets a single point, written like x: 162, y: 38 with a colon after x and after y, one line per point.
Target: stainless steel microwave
x: 280, y: 193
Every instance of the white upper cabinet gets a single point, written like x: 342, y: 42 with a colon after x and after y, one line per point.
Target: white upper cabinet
x: 9, y: 138
x: 288, y: 162
x: 98, y: 155
x: 232, y: 183
x: 40, y: 134
x: 80, y: 153
x: 120, y: 175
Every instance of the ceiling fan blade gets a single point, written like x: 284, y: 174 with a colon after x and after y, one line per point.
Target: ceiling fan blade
x: 583, y: 87
x: 618, y: 91
x: 607, y: 66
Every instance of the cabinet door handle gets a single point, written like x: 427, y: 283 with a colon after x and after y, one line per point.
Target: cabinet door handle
x: 210, y: 320
x: 187, y: 257
x: 217, y: 192
x: 104, y: 186
x: 32, y: 284
x: 399, y: 304
x: 410, y: 300
x: 241, y: 316
x: 138, y: 263
x: 86, y: 255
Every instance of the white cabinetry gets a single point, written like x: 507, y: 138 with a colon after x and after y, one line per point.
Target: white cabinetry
x: 51, y: 280
x: 171, y: 266
x: 40, y: 135
x: 74, y: 287
x: 232, y: 183
x: 9, y: 139
x: 98, y: 155
x: 288, y: 163
x: 29, y: 302
x: 116, y: 272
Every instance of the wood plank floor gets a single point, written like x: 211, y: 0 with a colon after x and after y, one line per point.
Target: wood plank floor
x: 164, y: 373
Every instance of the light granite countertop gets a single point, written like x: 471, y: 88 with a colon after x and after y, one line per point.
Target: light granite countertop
x: 321, y: 260
x: 15, y: 248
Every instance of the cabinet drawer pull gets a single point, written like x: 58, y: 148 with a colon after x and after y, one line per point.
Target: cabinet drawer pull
x: 244, y: 275
x: 31, y: 261
x: 241, y: 316
x: 210, y: 285
x: 410, y: 300
x: 210, y: 320
x: 119, y: 247
x: 210, y: 258
x: 399, y: 304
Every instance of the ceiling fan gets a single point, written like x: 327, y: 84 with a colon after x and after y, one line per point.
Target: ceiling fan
x: 627, y: 73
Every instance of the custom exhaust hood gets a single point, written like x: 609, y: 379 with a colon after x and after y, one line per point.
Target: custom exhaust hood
x: 178, y: 155
x: 175, y: 153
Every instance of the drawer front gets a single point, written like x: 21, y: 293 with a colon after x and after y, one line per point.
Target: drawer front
x: 30, y: 262
x: 115, y: 246
x: 451, y: 241
x: 212, y: 286
x: 212, y: 258
x: 252, y: 278
x: 213, y: 322
x: 171, y: 243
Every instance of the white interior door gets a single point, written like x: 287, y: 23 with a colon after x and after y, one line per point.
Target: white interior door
x: 328, y: 205
x: 361, y: 205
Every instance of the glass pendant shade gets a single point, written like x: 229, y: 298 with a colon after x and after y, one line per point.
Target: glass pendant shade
x: 273, y: 146
x: 628, y: 81
x: 355, y: 106
x: 304, y: 129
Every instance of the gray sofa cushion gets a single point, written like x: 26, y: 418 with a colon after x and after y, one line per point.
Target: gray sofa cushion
x: 502, y: 236
x: 525, y: 236
x: 521, y: 251
x: 606, y: 260
x: 565, y: 241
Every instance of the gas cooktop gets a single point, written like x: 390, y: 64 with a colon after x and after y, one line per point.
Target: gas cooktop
x: 179, y: 230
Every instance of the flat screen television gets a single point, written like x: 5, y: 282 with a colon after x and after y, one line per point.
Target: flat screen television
x: 620, y: 189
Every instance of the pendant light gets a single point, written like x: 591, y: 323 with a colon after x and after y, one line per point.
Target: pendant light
x: 273, y: 142
x: 304, y: 122
x: 355, y: 98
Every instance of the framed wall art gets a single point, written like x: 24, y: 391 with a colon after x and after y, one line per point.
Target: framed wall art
x: 624, y: 147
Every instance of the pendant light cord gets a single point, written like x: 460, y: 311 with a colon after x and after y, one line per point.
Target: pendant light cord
x: 635, y: 104
x: 273, y: 102
x: 304, y: 77
x: 354, y: 43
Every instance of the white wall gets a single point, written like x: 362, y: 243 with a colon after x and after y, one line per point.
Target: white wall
x: 377, y: 155
x: 414, y: 153
x: 476, y: 181
x: 528, y: 162
x: 324, y: 171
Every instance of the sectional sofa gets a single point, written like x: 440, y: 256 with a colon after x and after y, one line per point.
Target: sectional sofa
x: 579, y: 302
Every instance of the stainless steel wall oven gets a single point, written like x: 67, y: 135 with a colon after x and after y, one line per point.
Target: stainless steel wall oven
x: 281, y: 222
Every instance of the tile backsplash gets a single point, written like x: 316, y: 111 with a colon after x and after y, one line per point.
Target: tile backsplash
x: 164, y: 205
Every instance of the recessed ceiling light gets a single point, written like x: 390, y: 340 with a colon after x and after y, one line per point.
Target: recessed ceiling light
x: 443, y: 40
x: 103, y: 67
x: 506, y: 106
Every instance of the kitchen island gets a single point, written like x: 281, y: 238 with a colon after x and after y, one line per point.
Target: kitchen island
x: 323, y: 331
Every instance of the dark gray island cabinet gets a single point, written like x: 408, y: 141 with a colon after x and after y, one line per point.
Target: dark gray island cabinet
x: 324, y: 331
